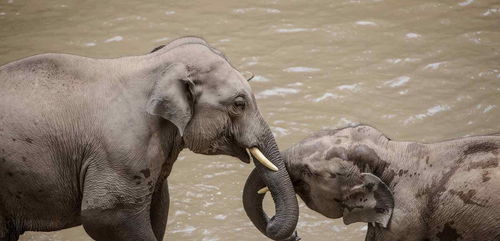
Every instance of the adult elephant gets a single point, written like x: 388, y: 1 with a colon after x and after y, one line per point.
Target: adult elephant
x: 404, y: 190
x: 92, y: 141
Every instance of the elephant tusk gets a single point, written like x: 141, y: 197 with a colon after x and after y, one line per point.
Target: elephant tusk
x: 263, y: 190
x: 262, y: 159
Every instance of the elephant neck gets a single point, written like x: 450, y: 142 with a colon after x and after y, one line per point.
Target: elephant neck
x: 172, y: 143
x: 395, y: 160
x: 401, y: 170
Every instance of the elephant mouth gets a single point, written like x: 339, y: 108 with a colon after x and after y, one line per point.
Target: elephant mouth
x: 243, y: 155
x: 231, y: 150
x: 247, y: 155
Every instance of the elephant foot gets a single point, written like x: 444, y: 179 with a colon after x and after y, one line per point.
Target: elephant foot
x: 294, y: 237
x: 8, y: 234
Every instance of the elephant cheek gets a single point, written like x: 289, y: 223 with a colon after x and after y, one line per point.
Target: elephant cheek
x: 242, y: 155
x: 205, y: 133
x: 233, y: 150
x: 329, y: 211
x: 330, y: 208
x: 201, y: 142
x: 335, y: 211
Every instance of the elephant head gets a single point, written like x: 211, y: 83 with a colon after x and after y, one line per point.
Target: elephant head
x: 215, y: 112
x: 327, y: 178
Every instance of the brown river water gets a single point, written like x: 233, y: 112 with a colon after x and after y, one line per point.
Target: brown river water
x: 423, y: 70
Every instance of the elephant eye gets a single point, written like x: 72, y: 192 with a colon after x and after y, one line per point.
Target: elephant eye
x: 240, y: 102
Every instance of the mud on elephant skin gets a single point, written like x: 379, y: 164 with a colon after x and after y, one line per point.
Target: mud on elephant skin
x: 92, y: 141
x: 412, y: 191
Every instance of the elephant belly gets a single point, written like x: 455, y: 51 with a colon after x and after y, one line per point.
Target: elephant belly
x: 38, y: 207
x: 35, y: 194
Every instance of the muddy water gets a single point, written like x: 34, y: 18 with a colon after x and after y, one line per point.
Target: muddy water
x: 417, y: 70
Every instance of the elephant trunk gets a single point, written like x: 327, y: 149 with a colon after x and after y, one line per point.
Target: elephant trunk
x: 282, y: 225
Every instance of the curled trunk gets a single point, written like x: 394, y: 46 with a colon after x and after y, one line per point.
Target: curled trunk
x: 282, y: 225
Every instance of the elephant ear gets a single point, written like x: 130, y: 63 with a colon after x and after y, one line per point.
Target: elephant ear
x: 371, y: 201
x: 172, y: 96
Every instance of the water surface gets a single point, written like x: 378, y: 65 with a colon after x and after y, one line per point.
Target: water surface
x: 422, y: 70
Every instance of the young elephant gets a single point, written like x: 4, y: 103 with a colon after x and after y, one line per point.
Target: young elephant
x: 404, y: 190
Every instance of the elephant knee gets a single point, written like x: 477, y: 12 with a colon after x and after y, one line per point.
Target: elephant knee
x: 98, y: 225
x: 116, y: 224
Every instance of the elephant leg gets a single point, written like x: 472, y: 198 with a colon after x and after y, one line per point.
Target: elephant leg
x: 370, y: 233
x: 118, y: 225
x: 9, y: 237
x: 116, y: 207
x: 6, y: 233
x: 159, y: 210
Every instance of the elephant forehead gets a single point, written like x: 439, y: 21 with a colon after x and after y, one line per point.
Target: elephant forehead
x: 197, y: 55
x: 223, y: 85
x: 227, y: 79
x: 321, y: 148
x: 218, y: 95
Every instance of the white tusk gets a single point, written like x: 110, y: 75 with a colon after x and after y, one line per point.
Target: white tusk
x: 262, y: 159
x: 263, y: 190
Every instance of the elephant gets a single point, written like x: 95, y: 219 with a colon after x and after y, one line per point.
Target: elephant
x: 411, y: 191
x: 91, y: 142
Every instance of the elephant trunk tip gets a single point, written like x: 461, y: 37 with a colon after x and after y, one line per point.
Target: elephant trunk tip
x: 279, y: 233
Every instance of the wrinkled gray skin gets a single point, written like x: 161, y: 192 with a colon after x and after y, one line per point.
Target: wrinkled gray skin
x: 405, y: 190
x: 92, y: 141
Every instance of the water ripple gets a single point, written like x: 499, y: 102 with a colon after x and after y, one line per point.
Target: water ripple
x: 276, y: 92
x: 399, y: 81
x: 348, y: 87
x: 326, y: 96
x: 294, y: 30
x: 366, y: 23
x: 491, y: 11
x: 465, y: 3
x: 266, y: 10
x: 187, y: 230
x: 299, y: 69
x: 434, y: 66
x: 413, y: 35
x: 430, y: 112
x: 114, y: 39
